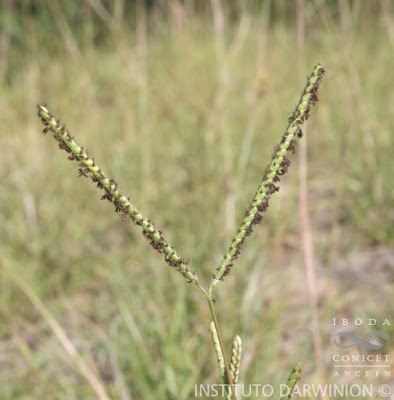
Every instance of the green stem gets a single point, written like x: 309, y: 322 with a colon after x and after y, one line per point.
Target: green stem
x: 227, y: 380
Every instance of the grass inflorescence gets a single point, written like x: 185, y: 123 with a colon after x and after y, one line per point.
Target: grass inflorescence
x: 292, y: 381
x: 278, y: 166
x: 182, y: 104
x: 123, y: 206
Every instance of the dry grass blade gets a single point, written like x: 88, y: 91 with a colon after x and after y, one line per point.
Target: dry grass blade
x: 90, y: 376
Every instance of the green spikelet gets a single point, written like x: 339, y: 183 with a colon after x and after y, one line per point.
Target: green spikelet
x: 292, y: 380
x: 218, y: 349
x: 275, y: 169
x: 123, y: 206
x: 235, y: 359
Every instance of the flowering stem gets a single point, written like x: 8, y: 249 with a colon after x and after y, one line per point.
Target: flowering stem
x: 275, y: 169
x: 227, y: 376
x: 123, y: 206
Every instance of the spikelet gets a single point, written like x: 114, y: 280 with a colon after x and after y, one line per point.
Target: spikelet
x: 292, y: 380
x: 275, y: 169
x: 218, y: 349
x: 123, y: 206
x: 235, y: 359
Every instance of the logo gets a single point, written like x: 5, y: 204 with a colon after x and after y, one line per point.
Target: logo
x: 374, y: 340
x: 350, y: 364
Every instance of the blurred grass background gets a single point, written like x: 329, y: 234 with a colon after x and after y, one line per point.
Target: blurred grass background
x: 182, y: 103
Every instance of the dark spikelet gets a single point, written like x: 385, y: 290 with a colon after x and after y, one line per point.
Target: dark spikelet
x: 106, y: 196
x: 292, y: 146
x: 284, y: 166
x: 272, y: 188
x: 257, y: 219
x: 227, y: 270
x: 82, y: 172
x: 62, y: 146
